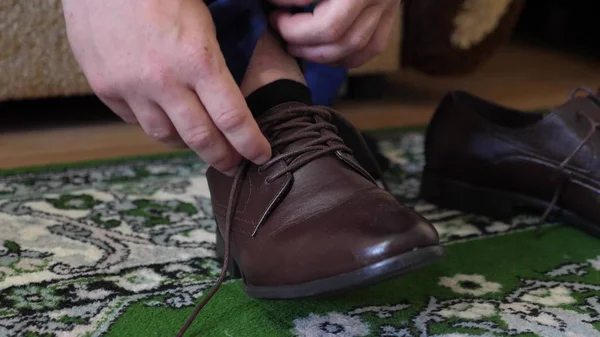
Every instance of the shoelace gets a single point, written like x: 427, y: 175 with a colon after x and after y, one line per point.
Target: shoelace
x: 564, y: 174
x: 301, y: 122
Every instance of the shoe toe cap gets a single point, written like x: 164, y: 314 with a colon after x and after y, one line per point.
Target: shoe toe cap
x: 355, y: 234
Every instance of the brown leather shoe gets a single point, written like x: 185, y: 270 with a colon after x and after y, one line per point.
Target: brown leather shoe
x: 312, y: 220
x: 495, y: 161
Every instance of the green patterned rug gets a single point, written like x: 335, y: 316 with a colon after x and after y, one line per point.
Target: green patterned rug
x: 126, y: 248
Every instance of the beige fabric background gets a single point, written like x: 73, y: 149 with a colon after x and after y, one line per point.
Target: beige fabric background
x: 35, y: 59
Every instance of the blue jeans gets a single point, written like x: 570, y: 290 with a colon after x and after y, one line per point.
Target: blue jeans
x: 240, y: 23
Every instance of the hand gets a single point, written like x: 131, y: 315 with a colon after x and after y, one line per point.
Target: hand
x: 158, y: 63
x: 340, y: 32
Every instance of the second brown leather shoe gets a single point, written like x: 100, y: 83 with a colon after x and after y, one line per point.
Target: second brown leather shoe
x: 312, y: 220
x: 495, y: 161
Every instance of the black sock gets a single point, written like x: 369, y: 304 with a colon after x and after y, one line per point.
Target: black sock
x: 275, y: 93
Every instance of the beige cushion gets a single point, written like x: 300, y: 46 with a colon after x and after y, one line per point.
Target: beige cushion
x: 35, y: 59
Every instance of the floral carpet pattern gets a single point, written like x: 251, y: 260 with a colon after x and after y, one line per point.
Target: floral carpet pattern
x: 125, y: 248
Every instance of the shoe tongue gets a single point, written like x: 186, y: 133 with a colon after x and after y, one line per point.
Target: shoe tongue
x: 597, y: 96
x: 283, y: 108
x: 287, y: 108
x: 588, y: 105
x: 570, y: 116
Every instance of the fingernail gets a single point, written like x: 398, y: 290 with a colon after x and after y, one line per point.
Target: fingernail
x: 262, y: 159
x: 231, y: 173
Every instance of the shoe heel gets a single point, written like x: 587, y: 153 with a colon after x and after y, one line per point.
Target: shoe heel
x: 451, y: 194
x: 233, y: 270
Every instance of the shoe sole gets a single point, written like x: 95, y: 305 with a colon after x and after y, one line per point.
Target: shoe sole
x: 497, y: 204
x: 339, y: 284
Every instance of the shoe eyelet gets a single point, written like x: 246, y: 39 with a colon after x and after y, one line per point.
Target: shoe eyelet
x: 269, y: 180
x: 261, y: 169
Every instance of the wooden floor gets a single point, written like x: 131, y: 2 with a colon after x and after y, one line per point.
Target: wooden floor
x: 517, y: 76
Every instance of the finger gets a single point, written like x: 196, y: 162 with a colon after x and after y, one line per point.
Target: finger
x: 155, y: 122
x: 378, y: 42
x: 198, y: 131
x: 355, y: 40
x: 329, y: 21
x: 228, y: 110
x: 120, y: 108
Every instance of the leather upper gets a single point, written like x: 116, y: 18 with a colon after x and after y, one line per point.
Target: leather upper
x: 324, y: 218
x: 487, y: 145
